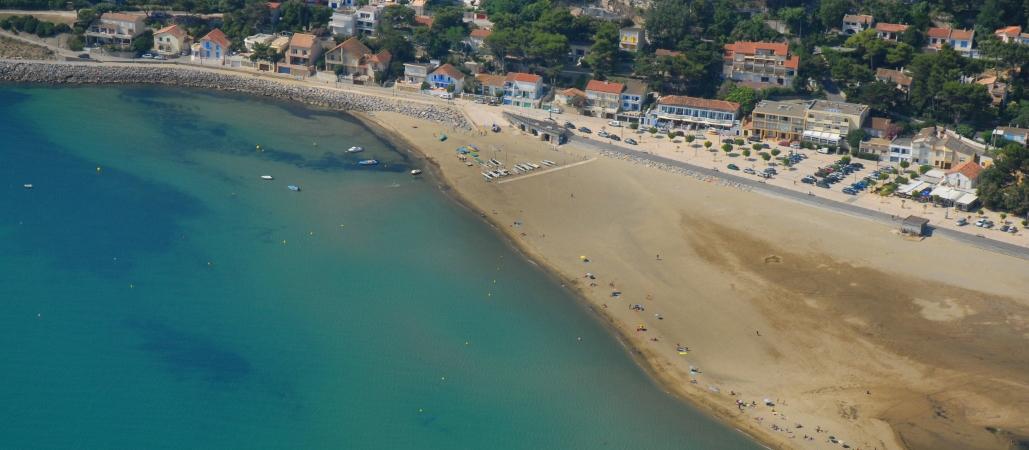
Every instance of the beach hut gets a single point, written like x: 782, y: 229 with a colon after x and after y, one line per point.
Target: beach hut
x: 915, y: 226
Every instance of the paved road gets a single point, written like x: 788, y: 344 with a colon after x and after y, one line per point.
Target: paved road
x: 813, y: 200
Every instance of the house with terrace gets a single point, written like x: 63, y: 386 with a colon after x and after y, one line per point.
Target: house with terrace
x: 959, y: 40
x: 632, y: 99
x: 214, y: 46
x: 447, y: 77
x: 603, y: 98
x: 1012, y: 35
x: 524, y: 90
x: 676, y: 112
x: 889, y: 31
x: 630, y: 39
x: 760, y: 64
x: 352, y: 58
x: 171, y: 40
x: 115, y: 29
x: 856, y: 23
x: 304, y: 49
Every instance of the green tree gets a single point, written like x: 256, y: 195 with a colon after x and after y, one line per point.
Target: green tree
x: 143, y: 43
x: 830, y: 12
x: 959, y: 100
x: 854, y: 138
x: 776, y: 152
x: 1001, y: 186
x: 668, y: 22
x: 604, y: 54
x: 746, y: 96
x: 746, y: 152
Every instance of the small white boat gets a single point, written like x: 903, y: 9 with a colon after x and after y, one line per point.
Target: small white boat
x: 416, y: 172
x: 267, y: 177
x: 294, y: 188
x: 368, y: 162
x: 355, y: 149
x: 27, y: 186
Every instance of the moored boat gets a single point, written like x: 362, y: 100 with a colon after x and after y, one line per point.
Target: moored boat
x: 368, y: 162
x: 27, y: 186
x: 294, y: 188
x: 267, y: 177
x: 355, y: 149
x: 416, y: 172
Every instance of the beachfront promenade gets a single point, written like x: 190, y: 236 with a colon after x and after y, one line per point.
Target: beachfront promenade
x: 808, y: 199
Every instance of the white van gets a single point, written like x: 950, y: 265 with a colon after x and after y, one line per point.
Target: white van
x: 823, y: 150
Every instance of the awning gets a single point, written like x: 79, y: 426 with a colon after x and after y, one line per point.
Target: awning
x: 821, y: 136
x: 967, y: 199
x: 910, y: 187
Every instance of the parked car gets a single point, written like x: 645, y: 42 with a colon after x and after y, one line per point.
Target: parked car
x: 556, y: 110
x: 602, y: 133
x: 446, y: 96
x: 961, y: 222
x: 147, y: 56
x: 585, y: 130
x: 795, y: 145
x: 615, y: 123
x: 849, y: 191
x: 631, y: 141
x: 614, y: 137
x: 569, y: 125
x: 733, y: 167
x: 159, y: 57
x: 749, y: 171
x: 808, y: 180
x: 83, y: 55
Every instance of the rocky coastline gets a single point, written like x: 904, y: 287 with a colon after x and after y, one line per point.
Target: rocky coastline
x: 39, y: 72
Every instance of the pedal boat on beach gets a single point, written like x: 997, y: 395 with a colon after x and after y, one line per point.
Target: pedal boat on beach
x: 355, y: 149
x: 267, y: 177
x: 416, y: 172
x: 368, y: 162
x: 294, y: 188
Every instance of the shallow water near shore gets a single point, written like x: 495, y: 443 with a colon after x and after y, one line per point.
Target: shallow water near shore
x: 156, y: 293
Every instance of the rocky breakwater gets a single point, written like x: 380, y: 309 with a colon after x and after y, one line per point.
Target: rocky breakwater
x: 93, y: 73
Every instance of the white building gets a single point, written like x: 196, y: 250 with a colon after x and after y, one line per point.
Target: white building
x: 856, y: 23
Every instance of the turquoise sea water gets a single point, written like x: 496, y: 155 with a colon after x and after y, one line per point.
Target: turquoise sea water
x: 172, y: 299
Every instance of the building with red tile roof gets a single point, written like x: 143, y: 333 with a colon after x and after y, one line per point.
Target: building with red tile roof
x: 959, y: 40
x: 603, y: 98
x: 171, y: 40
x: 1012, y: 35
x: 446, y: 77
x: 681, y: 112
x: 889, y: 31
x: 768, y: 64
x: 964, y: 175
x: 523, y: 90
x: 213, y: 46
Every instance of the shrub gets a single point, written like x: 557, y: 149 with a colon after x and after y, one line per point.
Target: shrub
x: 924, y: 168
x: 690, y: 138
x: 634, y: 125
x: 900, y: 180
x: 652, y: 130
x: 776, y: 152
x: 740, y: 141
x: 904, y: 164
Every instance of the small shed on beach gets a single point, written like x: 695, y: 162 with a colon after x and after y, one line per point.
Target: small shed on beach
x: 915, y: 226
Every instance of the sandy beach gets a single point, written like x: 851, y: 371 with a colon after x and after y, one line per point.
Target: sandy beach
x: 803, y: 326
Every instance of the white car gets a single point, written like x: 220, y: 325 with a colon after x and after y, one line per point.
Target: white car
x: 615, y: 123
x: 446, y: 96
x: 555, y: 110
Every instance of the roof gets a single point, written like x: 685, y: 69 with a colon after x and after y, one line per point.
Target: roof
x: 1013, y: 130
x: 939, y: 33
x: 630, y: 30
x: 480, y: 33
x: 486, y: 79
x: 523, y: 77
x: 352, y: 46
x: 891, y: 27
x: 751, y: 48
x: 382, y: 57
x: 606, y: 87
x: 794, y: 108
x: 635, y: 87
x: 273, y: 5
x: 1012, y: 31
x: 173, y: 30
x: 895, y: 76
x: 970, y: 169
x: 880, y: 123
x: 901, y: 142
x: 303, y: 40
x: 695, y: 102
x: 858, y: 18
x: 837, y: 107
x: 572, y: 92
x: 963, y: 35
x: 423, y: 20
x: 121, y: 16
x: 915, y: 220
x: 449, y: 71
x: 217, y: 37
x: 666, y: 52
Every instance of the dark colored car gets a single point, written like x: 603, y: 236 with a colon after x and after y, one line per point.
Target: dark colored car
x: 569, y: 125
x: 614, y: 137
x: 808, y: 180
x: 83, y: 55
x: 733, y: 167
x: 585, y: 130
x: 631, y: 141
